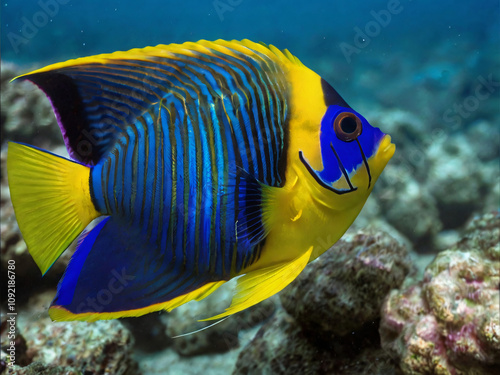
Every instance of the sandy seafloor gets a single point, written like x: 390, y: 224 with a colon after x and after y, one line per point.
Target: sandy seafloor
x: 429, y: 78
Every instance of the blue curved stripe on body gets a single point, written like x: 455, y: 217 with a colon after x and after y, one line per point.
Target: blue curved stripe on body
x: 181, y: 173
x: 126, y: 280
x: 115, y: 93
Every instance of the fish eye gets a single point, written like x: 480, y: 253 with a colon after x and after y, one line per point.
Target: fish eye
x: 347, y: 126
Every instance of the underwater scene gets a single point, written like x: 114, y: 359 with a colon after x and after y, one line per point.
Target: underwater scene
x: 250, y: 187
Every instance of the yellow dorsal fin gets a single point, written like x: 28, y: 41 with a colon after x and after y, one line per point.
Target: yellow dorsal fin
x: 260, y: 284
x: 269, y: 50
x: 169, y: 51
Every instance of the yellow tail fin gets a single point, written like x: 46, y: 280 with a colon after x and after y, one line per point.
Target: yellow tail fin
x: 51, y: 199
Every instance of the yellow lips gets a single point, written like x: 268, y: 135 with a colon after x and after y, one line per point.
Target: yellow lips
x: 386, y: 149
x: 384, y: 153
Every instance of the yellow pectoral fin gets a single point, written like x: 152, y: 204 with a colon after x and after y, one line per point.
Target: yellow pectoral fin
x: 258, y: 285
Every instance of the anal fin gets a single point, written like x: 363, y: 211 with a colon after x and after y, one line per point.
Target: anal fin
x: 59, y: 313
x: 260, y: 284
x: 117, y: 271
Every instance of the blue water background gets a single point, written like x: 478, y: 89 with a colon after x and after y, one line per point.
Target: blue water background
x: 434, y: 39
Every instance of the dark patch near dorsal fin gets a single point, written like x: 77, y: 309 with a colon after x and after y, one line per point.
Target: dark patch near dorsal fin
x: 68, y: 108
x: 91, y: 108
x: 97, y: 97
x: 331, y: 96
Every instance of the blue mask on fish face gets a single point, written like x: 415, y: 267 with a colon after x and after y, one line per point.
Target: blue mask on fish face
x: 347, y: 141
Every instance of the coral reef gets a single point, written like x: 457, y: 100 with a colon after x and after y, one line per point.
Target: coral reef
x: 26, y: 113
x: 26, y: 116
x: 219, y: 338
x: 281, y: 346
x: 444, y: 172
x: 345, y: 287
x: 437, y: 175
x: 482, y: 232
x: 456, y: 182
x: 103, y: 347
x: 449, y: 323
x: 477, y: 133
x: 330, y: 318
x: 410, y: 199
x: 149, y: 332
x: 38, y: 368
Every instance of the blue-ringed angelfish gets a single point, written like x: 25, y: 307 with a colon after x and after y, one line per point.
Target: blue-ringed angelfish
x: 205, y: 161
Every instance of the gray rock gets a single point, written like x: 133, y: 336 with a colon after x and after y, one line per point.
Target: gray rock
x: 411, y: 207
x: 219, y: 338
x: 345, y: 287
x: 455, y: 180
x: 149, y: 332
x: 282, y: 347
x: 484, y: 139
x: 26, y: 113
x: 38, y: 368
x: 103, y: 347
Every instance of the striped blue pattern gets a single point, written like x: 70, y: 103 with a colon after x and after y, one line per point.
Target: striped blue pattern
x: 207, y: 128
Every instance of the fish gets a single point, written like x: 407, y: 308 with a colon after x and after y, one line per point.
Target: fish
x: 190, y: 165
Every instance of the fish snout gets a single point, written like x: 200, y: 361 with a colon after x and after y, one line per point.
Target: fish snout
x: 386, y: 148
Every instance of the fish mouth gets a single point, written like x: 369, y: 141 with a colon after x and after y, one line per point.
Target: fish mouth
x: 376, y: 163
x: 386, y: 148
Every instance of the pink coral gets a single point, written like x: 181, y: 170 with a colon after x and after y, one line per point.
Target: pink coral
x: 448, y: 323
